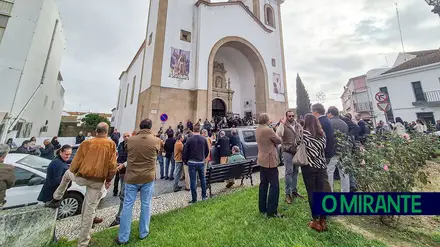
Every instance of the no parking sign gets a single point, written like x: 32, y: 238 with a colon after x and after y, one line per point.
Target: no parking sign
x: 163, y: 117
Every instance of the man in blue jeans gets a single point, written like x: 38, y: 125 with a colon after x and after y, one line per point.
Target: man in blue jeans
x: 139, y: 176
x: 194, y: 154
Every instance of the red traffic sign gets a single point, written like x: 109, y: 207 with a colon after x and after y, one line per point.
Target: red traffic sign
x: 163, y: 117
x: 381, y: 97
x: 384, y: 106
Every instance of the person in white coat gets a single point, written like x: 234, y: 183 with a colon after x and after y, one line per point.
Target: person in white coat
x: 399, y: 127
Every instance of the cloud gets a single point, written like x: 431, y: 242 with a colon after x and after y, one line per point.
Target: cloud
x: 325, y: 42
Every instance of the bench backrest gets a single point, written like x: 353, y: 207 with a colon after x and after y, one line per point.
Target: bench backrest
x: 221, y: 172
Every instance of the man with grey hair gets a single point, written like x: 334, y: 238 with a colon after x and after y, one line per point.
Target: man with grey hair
x: 7, y: 175
x: 94, y: 167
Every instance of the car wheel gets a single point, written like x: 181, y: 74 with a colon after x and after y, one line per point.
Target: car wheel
x: 70, y: 205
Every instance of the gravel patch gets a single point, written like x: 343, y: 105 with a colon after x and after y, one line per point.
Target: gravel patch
x: 69, y: 227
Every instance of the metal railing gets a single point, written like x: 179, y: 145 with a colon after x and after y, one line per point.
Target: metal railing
x: 6, y: 7
x: 363, y: 106
x: 432, y: 96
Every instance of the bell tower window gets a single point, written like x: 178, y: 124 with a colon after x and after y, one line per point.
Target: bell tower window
x: 269, y: 15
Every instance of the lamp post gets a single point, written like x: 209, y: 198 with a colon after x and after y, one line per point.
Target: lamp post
x: 435, y: 4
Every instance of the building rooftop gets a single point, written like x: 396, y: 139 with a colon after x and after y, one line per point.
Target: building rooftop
x: 422, y: 58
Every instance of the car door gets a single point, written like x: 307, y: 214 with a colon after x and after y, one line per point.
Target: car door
x: 249, y: 142
x: 24, y: 192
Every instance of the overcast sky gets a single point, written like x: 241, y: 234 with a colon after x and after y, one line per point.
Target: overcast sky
x: 326, y: 42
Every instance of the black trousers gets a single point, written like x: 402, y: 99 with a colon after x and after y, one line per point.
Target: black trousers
x: 269, y: 182
x: 315, y: 180
x: 116, y: 184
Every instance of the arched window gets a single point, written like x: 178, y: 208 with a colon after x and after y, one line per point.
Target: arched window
x: 269, y: 15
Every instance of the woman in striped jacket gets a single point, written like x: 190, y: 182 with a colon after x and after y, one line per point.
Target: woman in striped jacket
x: 315, y: 172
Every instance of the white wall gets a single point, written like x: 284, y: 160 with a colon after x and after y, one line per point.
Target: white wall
x: 218, y: 22
x: 125, y: 117
x: 401, y: 92
x: 240, y: 72
x: 149, y: 48
x: 24, y: 48
x: 180, y: 17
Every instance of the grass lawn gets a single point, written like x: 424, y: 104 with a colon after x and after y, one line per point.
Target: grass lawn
x: 233, y: 220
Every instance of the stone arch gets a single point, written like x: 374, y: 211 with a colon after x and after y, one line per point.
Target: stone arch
x: 257, y: 63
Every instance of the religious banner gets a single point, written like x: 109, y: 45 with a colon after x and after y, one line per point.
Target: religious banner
x: 179, y: 65
x: 278, y: 87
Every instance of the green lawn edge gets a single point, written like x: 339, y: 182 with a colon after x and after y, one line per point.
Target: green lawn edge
x: 233, y: 220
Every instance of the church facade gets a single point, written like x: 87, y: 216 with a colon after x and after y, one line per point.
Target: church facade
x: 201, y: 59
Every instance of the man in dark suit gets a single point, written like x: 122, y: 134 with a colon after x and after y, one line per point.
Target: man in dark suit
x: 318, y: 111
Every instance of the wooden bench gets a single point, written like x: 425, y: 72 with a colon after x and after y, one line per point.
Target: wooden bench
x: 222, y: 172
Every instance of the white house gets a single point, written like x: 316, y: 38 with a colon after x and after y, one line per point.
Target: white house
x: 413, y: 87
x: 202, y: 59
x: 32, y: 44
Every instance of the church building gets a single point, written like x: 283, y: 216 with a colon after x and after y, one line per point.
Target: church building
x: 205, y: 58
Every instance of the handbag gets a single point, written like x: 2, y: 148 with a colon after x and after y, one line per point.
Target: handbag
x: 300, y: 158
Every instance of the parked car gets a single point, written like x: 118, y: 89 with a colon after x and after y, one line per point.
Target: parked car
x: 248, y: 141
x: 30, y: 173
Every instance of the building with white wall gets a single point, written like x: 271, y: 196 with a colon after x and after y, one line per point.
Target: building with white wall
x: 413, y: 87
x: 202, y: 59
x: 355, y: 98
x: 32, y: 44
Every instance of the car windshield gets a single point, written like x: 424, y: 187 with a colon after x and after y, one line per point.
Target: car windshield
x: 35, y: 162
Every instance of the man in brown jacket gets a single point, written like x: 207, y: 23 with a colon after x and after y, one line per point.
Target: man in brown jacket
x: 7, y: 175
x: 267, y: 141
x: 94, y: 167
x: 178, y: 149
x: 143, y: 149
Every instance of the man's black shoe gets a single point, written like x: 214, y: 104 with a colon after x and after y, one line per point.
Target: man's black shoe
x: 53, y: 204
x: 166, y: 178
x: 276, y: 216
x: 162, y: 177
x: 117, y: 241
x: 115, y: 193
x: 191, y: 202
x: 177, y: 189
x: 171, y: 178
x: 114, y: 223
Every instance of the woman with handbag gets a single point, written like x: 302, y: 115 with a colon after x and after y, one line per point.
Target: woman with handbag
x: 314, y: 170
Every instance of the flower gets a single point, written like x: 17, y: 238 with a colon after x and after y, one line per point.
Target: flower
x: 385, y: 167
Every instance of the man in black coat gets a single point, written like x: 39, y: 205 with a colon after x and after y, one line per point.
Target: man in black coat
x: 80, y: 138
x: 222, y: 145
x: 48, y: 152
x: 169, y: 155
x: 24, y: 148
x: 122, y: 158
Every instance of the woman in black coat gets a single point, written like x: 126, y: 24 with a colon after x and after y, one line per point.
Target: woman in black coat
x: 55, y: 173
x: 55, y: 143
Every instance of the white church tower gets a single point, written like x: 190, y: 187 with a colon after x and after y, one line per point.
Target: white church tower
x: 206, y: 58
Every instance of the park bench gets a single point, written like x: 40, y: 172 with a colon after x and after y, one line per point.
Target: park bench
x: 222, y: 172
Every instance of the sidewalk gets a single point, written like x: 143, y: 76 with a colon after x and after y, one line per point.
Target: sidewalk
x: 69, y: 227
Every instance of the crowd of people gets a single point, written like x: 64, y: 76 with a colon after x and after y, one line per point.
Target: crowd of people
x: 184, y: 154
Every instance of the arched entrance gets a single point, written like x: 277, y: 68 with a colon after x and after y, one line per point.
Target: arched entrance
x: 259, y: 77
x: 218, y: 108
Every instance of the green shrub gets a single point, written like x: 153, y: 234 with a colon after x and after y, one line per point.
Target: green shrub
x: 387, y: 163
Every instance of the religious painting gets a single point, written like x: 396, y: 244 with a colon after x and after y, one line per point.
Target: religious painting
x: 278, y: 87
x: 179, y: 65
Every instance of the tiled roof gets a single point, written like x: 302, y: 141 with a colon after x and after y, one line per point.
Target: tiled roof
x: 422, y: 58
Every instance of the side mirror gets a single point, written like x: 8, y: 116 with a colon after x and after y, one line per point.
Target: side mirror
x: 36, y: 181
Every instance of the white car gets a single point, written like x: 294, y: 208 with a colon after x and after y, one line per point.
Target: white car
x: 30, y: 174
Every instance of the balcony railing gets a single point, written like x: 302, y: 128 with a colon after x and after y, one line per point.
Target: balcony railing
x: 363, y: 106
x: 432, y: 96
x: 6, y: 7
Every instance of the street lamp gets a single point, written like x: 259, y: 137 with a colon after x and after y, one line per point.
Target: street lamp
x: 435, y: 4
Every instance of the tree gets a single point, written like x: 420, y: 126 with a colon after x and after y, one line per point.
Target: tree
x: 93, y: 119
x: 302, y: 98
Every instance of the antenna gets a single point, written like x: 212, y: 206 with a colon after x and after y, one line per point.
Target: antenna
x: 386, y: 57
x: 400, y: 31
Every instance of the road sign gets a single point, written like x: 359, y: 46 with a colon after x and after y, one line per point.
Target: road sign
x: 381, y: 97
x: 163, y: 117
x: 384, y: 106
